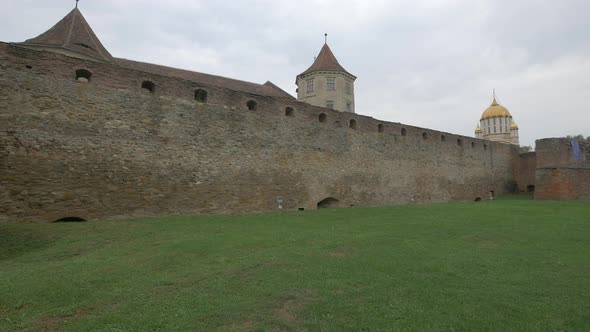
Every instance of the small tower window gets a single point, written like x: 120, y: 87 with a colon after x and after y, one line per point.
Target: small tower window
x: 424, y: 136
x: 352, y: 124
x: 149, y: 86
x: 443, y: 138
x: 330, y: 104
x: 252, y: 105
x: 459, y: 142
x: 380, y: 127
x: 472, y: 144
x: 323, y: 117
x: 83, y: 75
x: 201, y: 96
x: 289, y: 111
x: 309, y: 85
x: 348, y: 107
x: 404, y: 132
x: 485, y: 146
x: 348, y: 88
x: 331, y: 84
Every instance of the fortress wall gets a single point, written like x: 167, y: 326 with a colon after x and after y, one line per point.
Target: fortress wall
x: 524, y: 171
x: 559, y: 176
x: 103, y: 149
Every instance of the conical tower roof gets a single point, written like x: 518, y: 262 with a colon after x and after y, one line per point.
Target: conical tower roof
x: 325, y: 61
x: 72, y: 36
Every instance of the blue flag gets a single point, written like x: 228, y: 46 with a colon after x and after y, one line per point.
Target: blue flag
x: 577, y: 154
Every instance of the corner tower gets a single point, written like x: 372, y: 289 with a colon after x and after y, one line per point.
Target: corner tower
x: 496, y: 124
x: 326, y: 83
x: 71, y: 36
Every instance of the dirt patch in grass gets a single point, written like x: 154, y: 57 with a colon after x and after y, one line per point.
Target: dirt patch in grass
x: 49, y: 324
x: 292, y: 304
x: 243, y: 326
x: 339, y: 252
x: 487, y: 244
x: 286, y: 312
x: 52, y: 323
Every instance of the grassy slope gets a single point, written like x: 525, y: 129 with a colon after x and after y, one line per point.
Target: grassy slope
x: 504, y: 265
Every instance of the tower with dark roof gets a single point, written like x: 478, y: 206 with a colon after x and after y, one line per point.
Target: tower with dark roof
x: 326, y: 83
x: 71, y: 36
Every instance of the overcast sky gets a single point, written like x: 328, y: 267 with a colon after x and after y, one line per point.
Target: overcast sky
x: 429, y: 63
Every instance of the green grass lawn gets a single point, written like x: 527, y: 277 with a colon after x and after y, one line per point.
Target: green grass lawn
x: 507, y: 265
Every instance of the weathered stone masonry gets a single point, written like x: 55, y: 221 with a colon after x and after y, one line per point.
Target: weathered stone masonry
x: 559, y: 176
x: 107, y: 148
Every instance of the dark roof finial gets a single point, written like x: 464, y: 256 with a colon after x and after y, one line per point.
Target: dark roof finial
x: 325, y: 38
x: 77, y: 3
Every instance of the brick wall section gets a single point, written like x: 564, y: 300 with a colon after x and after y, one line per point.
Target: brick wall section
x: 524, y: 171
x: 104, y: 149
x: 559, y: 176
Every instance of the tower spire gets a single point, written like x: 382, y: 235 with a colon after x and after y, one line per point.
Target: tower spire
x: 325, y: 38
x: 494, y: 102
x: 77, y: 3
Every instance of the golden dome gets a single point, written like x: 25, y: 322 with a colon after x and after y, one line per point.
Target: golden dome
x: 477, y: 130
x: 495, y: 111
x: 513, y: 125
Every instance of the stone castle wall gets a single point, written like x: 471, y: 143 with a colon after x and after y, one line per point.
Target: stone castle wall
x: 106, y: 149
x: 524, y: 171
x: 559, y: 176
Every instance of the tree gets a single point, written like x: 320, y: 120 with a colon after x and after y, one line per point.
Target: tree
x: 526, y: 148
x: 579, y: 138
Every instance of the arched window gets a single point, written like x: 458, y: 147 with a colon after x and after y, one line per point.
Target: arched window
x: 424, y: 136
x: 380, y: 127
x: 352, y: 124
x: 472, y: 144
x: 459, y: 142
x: 149, y: 86
x: 323, y: 117
x: 289, y: 111
x: 485, y: 146
x: 443, y: 138
x: 251, y: 105
x: 404, y: 132
x: 201, y: 96
x: 329, y: 202
x: 83, y: 75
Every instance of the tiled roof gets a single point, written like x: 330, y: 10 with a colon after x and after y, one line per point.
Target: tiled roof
x: 267, y: 89
x: 325, y: 61
x: 74, y: 34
